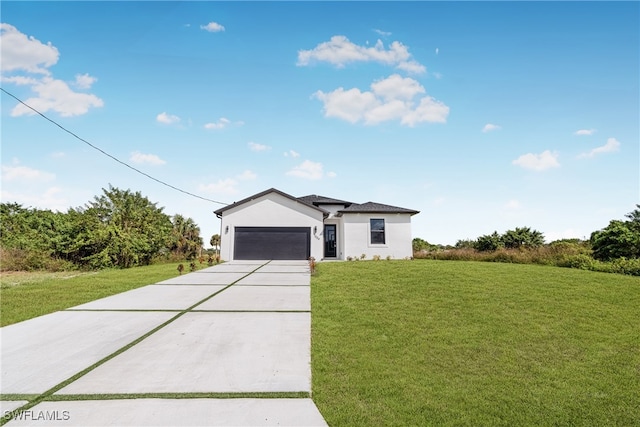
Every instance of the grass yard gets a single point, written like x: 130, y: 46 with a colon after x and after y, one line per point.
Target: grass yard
x: 469, y: 343
x: 24, y: 295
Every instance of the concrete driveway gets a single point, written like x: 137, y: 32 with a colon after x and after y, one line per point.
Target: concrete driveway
x: 227, y: 345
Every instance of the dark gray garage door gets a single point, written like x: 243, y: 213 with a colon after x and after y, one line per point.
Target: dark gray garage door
x: 272, y: 243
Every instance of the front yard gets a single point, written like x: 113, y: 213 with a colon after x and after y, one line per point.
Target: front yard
x: 468, y: 343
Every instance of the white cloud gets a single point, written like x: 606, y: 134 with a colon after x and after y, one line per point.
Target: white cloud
x: 220, y: 124
x: 489, y: 127
x: 24, y: 173
x: 390, y: 99
x: 55, y: 95
x: 167, y: 119
x: 84, y: 81
x: 538, y: 162
x: 382, y: 33
x: 583, y: 132
x: 212, y: 27
x: 222, y: 186
x: 339, y: 51
x: 610, y: 146
x: 152, y: 159
x: 396, y: 87
x: 331, y: 174
x: 350, y: 105
x: 291, y: 153
x: 24, y: 54
x: 307, y: 170
x: 20, y: 52
x: 429, y: 110
x: 412, y: 67
x: 254, y: 146
x: 19, y: 80
x: 247, y: 176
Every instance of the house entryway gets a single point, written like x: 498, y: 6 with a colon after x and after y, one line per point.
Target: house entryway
x: 330, y: 241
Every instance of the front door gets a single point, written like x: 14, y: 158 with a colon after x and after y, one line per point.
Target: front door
x: 330, y: 246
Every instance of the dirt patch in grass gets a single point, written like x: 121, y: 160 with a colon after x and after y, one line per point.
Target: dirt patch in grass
x: 16, y: 278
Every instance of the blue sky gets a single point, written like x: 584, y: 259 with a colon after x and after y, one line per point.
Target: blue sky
x: 482, y: 115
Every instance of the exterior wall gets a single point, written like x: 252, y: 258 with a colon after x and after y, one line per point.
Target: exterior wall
x: 356, y: 228
x: 271, y: 210
x: 332, y: 209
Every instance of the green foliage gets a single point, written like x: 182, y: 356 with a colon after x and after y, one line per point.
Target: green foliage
x: 215, y: 241
x: 465, y: 244
x: 125, y: 229
x: 119, y: 228
x: 618, y: 239
x: 185, y: 238
x: 489, y: 242
x: 522, y: 237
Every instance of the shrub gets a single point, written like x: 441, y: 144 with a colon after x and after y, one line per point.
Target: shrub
x: 581, y: 261
x: 28, y: 260
x: 626, y: 266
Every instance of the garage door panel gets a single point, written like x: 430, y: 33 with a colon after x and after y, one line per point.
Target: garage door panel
x: 282, y: 243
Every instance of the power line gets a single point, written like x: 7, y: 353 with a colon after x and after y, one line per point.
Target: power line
x: 107, y: 154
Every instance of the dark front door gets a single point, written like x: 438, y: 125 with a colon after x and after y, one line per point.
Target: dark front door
x: 330, y: 246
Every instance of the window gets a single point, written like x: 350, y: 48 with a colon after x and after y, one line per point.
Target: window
x: 377, y: 231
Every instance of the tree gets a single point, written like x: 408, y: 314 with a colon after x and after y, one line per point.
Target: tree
x: 465, y: 244
x: 522, y: 237
x: 215, y: 242
x: 120, y: 228
x: 489, y: 242
x: 420, y: 245
x: 619, y: 239
x: 185, y: 237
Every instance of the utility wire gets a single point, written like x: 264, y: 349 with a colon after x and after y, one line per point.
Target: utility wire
x: 107, y: 154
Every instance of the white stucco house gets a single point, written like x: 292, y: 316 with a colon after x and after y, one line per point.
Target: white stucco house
x: 276, y: 225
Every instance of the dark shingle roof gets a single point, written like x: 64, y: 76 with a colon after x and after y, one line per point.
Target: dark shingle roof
x: 372, y: 207
x: 316, y: 200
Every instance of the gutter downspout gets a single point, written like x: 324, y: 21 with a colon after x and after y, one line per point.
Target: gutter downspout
x: 220, y: 242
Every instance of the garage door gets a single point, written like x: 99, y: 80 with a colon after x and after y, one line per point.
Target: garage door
x: 272, y: 243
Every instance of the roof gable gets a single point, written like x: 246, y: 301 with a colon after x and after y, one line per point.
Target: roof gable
x: 220, y: 211
x: 314, y: 201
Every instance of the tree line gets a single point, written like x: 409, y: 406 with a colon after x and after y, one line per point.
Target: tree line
x: 615, y: 248
x: 119, y: 228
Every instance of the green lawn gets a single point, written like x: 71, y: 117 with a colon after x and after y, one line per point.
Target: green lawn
x: 27, y: 295
x: 469, y: 343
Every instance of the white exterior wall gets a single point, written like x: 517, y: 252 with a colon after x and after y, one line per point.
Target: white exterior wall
x: 271, y: 210
x: 356, y: 228
x: 332, y: 209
